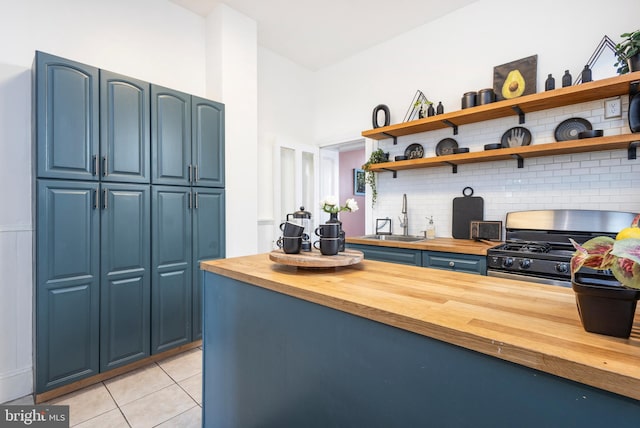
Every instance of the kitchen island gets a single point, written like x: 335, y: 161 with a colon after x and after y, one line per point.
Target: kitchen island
x: 379, y: 344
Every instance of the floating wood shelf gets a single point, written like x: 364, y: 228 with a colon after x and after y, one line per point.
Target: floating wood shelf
x: 625, y: 141
x: 600, y: 89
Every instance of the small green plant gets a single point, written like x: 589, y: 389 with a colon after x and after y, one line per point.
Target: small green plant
x: 423, y: 104
x: 626, y: 49
x: 377, y: 156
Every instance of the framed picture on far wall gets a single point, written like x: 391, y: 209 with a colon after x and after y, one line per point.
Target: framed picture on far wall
x: 516, y: 78
x: 358, y: 182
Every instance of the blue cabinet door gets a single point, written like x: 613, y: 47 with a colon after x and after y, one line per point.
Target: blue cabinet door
x: 207, y: 142
x: 403, y: 256
x: 125, y: 283
x: 208, y: 242
x: 171, y: 259
x: 66, y: 116
x: 170, y: 136
x: 124, y: 129
x: 67, y: 282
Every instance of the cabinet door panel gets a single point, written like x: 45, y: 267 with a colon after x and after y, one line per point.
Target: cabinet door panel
x: 124, y: 128
x: 68, y: 335
x: 170, y: 136
x: 66, y: 99
x: 208, y: 242
x: 125, y: 279
x: 67, y: 287
x: 171, y: 263
x: 207, y: 142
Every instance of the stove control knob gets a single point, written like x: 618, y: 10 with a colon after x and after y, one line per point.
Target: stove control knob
x: 508, y: 262
x: 562, y: 268
x: 525, y: 263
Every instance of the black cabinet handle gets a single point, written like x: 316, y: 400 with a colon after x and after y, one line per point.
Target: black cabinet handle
x: 105, y: 197
x: 95, y: 165
x: 105, y: 166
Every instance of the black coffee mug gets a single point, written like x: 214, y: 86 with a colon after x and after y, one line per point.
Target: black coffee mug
x: 327, y: 246
x: 291, y: 229
x: 329, y: 230
x: 290, y: 245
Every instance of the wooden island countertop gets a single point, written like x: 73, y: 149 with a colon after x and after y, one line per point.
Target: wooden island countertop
x: 533, y: 325
x: 447, y: 245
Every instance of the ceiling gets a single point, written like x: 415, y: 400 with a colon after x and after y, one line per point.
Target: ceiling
x: 319, y: 33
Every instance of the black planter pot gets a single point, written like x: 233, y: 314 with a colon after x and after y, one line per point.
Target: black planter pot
x: 607, y: 309
x: 634, y: 63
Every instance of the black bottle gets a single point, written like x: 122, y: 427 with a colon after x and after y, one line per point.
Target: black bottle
x: 430, y: 110
x: 440, y: 108
x: 586, y: 74
x: 566, y: 79
x: 550, y: 83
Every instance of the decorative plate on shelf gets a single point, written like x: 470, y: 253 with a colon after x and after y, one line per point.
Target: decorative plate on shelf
x: 414, y: 151
x: 570, y: 128
x: 446, y: 146
x: 516, y: 137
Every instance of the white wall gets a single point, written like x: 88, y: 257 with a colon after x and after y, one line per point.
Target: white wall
x: 456, y: 54
x: 15, y: 233
x: 232, y: 78
x: 286, y: 110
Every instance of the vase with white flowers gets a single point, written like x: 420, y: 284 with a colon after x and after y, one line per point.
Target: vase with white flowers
x: 331, y: 205
x: 608, y: 307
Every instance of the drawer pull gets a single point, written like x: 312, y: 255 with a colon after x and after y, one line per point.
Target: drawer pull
x: 452, y: 264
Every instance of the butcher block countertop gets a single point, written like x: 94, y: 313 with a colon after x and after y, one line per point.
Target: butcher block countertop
x: 533, y: 325
x: 449, y: 245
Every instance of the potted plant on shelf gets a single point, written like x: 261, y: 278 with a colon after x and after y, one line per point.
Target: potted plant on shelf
x: 628, y: 52
x: 377, y: 156
x: 607, y: 308
x: 423, y: 104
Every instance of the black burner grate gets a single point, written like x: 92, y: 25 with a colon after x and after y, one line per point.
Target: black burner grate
x: 527, y: 247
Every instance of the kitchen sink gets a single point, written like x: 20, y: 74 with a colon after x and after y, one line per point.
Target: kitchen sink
x: 400, y: 238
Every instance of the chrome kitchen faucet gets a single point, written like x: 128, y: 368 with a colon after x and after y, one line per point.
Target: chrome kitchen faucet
x: 404, y: 221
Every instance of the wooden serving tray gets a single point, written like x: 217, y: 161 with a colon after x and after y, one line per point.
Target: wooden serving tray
x: 315, y: 259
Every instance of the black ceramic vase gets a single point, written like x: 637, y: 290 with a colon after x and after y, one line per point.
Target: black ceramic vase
x: 604, y: 308
x: 333, y: 218
x: 634, y: 63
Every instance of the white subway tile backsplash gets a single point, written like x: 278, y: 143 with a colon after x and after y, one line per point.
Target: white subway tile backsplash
x: 593, y: 180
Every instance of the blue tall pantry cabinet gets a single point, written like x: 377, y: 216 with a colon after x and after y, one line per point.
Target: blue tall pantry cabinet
x: 188, y: 195
x: 95, y: 204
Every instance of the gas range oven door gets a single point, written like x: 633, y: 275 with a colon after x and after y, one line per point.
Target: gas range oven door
x: 529, y: 278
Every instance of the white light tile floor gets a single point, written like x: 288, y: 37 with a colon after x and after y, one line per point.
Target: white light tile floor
x: 164, y: 394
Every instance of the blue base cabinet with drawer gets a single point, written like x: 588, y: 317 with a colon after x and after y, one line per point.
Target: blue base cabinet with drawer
x: 116, y: 268
x: 433, y: 259
x: 403, y: 256
x: 468, y: 263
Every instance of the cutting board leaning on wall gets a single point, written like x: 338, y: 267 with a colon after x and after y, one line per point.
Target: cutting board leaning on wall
x: 466, y: 209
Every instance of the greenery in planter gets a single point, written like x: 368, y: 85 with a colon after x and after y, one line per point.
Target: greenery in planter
x: 422, y: 104
x: 626, y: 49
x: 620, y: 255
x: 377, y: 156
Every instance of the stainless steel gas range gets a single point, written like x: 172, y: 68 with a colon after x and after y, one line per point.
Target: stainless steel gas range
x: 537, y: 246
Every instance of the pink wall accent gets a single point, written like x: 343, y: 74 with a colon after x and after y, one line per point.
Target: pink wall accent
x: 352, y: 222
